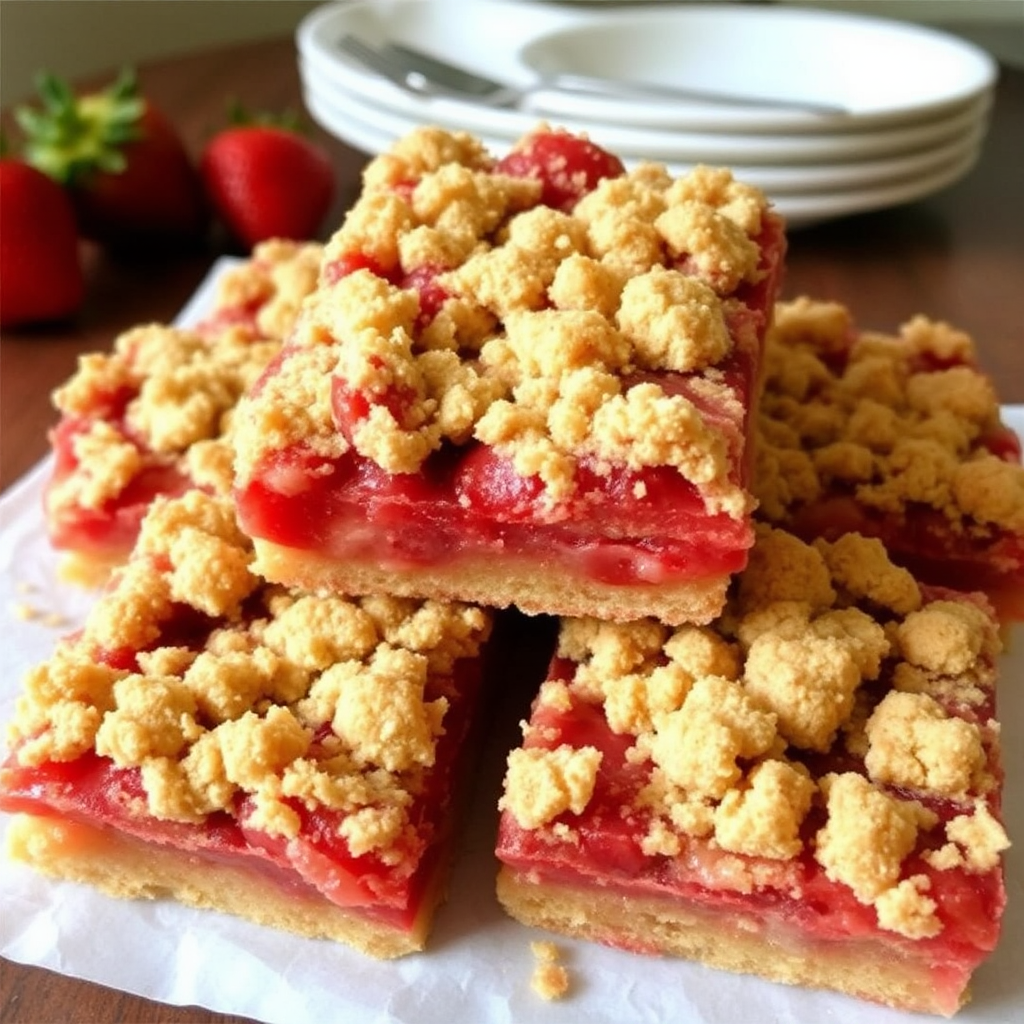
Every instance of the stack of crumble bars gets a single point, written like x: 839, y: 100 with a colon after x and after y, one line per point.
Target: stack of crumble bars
x: 777, y: 551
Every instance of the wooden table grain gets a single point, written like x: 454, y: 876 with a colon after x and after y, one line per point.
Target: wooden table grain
x: 956, y: 256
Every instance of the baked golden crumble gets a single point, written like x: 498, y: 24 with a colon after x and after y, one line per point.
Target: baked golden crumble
x: 545, y: 313
x: 544, y: 783
x: 733, y: 724
x: 246, y: 714
x: 898, y: 421
x: 270, y: 285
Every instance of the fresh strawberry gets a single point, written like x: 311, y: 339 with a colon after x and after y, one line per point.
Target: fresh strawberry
x: 40, y: 274
x: 267, y: 181
x: 127, y: 169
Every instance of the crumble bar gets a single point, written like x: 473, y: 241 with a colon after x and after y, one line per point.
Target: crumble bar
x: 525, y: 382
x: 809, y: 790
x: 291, y: 759
x: 153, y: 415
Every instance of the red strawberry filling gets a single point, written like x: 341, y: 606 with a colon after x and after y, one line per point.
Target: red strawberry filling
x: 108, y: 530
x: 567, y: 167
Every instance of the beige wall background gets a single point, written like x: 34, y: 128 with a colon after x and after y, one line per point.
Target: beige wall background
x: 75, y: 38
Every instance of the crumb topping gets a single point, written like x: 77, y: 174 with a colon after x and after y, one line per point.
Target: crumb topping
x: 270, y: 286
x: 914, y: 743
x: 764, y: 818
x: 898, y: 422
x: 946, y: 637
x: 163, y: 396
x: 861, y: 570
x: 782, y: 568
x: 698, y: 746
x: 544, y: 783
x: 907, y: 909
x: 379, y: 709
x: 291, y: 701
x: 809, y: 683
x: 470, y: 311
x: 822, y: 717
x: 980, y: 836
x: 868, y: 834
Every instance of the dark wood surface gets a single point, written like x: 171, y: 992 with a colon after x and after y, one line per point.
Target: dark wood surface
x: 957, y: 256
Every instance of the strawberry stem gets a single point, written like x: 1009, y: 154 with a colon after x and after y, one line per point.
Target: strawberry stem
x: 240, y: 116
x: 70, y: 138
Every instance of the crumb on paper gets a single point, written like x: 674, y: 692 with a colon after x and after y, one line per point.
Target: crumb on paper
x: 550, y: 979
x: 25, y: 611
x: 87, y: 572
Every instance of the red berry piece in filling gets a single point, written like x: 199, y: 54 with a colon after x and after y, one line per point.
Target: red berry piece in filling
x: 487, y: 483
x: 1004, y: 444
x: 404, y: 189
x: 350, y: 406
x: 432, y: 295
x: 569, y: 166
x: 348, y: 263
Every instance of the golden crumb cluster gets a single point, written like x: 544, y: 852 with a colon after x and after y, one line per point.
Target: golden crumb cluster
x: 550, y: 978
x: 546, y: 319
x: 293, y: 700
x: 178, y: 389
x: 268, y: 289
x: 893, y: 421
x: 828, y: 655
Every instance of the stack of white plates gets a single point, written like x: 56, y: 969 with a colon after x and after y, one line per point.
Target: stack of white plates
x: 914, y: 101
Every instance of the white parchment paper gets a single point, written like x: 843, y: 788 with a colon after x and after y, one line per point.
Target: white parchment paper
x: 478, y: 966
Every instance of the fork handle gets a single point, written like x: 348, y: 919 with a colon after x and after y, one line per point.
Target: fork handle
x: 617, y: 89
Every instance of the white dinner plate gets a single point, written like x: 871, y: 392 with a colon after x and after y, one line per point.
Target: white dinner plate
x: 365, y: 128
x: 717, y: 147
x: 887, y: 73
x: 775, y: 178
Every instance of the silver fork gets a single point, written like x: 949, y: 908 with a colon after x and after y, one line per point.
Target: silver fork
x: 427, y: 75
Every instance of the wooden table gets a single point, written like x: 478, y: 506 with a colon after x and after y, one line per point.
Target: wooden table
x: 957, y: 256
